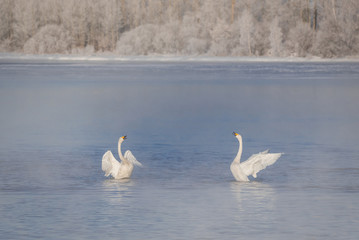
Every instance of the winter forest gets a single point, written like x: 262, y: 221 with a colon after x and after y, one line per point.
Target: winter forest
x: 281, y: 28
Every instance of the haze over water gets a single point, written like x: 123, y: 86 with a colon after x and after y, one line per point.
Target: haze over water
x: 57, y: 119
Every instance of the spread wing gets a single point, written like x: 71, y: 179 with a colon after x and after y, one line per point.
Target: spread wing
x: 129, y: 157
x: 258, y: 162
x: 109, y: 164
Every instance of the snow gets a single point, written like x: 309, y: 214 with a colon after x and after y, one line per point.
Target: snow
x: 163, y: 58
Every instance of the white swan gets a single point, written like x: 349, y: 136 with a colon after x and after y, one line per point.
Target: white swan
x: 252, y: 165
x: 119, y: 170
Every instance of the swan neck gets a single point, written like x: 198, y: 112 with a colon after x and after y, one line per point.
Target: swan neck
x: 237, y: 159
x: 119, y: 151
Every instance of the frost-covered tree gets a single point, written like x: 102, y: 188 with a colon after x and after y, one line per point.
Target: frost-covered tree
x: 27, y: 21
x: 136, y: 13
x: 6, y: 22
x: 155, y: 12
x: 167, y: 39
x: 194, y: 41
x: 138, y: 41
x: 74, y: 19
x: 207, y: 17
x: 300, y: 40
x: 219, y: 38
x: 327, y: 28
x: 291, y: 13
x: 276, y: 38
x: 338, y: 30
x: 246, y: 23
x: 48, y: 40
x: 50, y: 12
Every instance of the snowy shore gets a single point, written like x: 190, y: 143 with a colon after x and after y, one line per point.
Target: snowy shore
x: 164, y: 58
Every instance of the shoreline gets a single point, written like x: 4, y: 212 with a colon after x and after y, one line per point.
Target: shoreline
x: 163, y: 58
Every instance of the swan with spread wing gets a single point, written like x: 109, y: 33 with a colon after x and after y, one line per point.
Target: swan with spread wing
x: 254, y: 164
x: 119, y: 170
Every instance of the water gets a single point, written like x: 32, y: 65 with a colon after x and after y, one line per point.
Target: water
x: 58, y: 118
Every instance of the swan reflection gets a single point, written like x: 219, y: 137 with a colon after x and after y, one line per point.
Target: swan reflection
x: 253, y: 196
x: 117, y: 190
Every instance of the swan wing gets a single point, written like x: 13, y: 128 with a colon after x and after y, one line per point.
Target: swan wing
x: 258, y: 162
x: 129, y: 157
x: 109, y: 164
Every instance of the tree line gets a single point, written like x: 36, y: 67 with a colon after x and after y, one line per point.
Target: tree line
x: 324, y: 28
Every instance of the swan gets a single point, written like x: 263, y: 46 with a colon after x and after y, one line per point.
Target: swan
x: 119, y: 170
x: 252, y: 165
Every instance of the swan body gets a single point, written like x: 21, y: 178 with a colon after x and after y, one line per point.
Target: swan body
x: 119, y: 170
x: 254, y: 164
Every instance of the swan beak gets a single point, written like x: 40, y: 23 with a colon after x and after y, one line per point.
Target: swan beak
x: 124, y: 137
x: 235, y: 134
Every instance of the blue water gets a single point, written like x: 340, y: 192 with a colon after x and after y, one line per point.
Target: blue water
x: 58, y: 118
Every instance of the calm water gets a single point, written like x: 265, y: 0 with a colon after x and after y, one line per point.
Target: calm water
x: 58, y: 118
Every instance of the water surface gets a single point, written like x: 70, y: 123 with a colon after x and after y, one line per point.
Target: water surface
x: 58, y: 118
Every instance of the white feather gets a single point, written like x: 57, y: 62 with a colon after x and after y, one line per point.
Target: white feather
x: 129, y: 157
x: 258, y: 162
x: 109, y: 164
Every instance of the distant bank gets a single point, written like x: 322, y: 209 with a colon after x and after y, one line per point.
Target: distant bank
x: 164, y: 58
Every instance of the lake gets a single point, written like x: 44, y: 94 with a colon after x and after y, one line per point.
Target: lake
x: 57, y: 119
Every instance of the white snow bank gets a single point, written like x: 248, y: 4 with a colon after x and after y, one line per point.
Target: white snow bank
x: 165, y: 58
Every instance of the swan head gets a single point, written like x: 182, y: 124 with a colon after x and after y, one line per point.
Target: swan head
x: 123, y: 138
x: 237, y: 135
